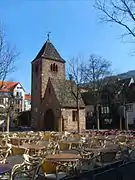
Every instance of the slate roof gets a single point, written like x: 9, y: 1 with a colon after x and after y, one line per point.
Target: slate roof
x: 118, y: 87
x: 88, y: 98
x: 64, y: 94
x: 124, y: 83
x: 49, y: 51
x: 130, y: 94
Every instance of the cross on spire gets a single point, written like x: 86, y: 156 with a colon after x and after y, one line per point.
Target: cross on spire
x: 48, y: 36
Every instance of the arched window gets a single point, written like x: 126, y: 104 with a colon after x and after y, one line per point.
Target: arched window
x: 54, y: 67
x: 51, y: 67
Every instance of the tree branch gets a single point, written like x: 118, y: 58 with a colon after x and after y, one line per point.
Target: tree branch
x: 8, y: 56
x: 117, y: 13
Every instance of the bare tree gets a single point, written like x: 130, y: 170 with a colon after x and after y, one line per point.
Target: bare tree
x: 95, y: 77
x: 76, y: 74
x: 8, y: 56
x: 96, y: 71
x: 121, y: 12
x: 6, y: 110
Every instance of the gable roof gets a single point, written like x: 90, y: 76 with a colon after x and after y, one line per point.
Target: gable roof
x: 116, y: 87
x: 124, y: 82
x: 130, y: 94
x: 63, y: 93
x: 49, y: 51
x: 121, y: 87
x: 7, y: 86
x: 88, y: 98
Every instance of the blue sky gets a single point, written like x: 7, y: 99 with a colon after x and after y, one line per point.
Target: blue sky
x: 75, y: 29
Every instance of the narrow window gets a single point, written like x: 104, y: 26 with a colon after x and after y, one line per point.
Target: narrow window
x: 54, y: 67
x: 1, y: 101
x: 105, y: 110
x: 74, y: 115
x: 51, y: 67
x: 129, y: 107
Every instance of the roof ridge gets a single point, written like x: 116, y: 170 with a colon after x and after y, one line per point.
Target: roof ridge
x: 45, y: 46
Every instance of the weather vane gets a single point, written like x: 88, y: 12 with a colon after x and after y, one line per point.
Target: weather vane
x: 48, y: 36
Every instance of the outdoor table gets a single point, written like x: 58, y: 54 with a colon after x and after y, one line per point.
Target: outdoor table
x: 95, y: 150
x: 20, y: 139
x: 33, y: 146
x: 63, y: 157
x: 110, y: 137
x: 99, y: 137
x: 70, y: 142
x: 101, y: 149
x: 30, y: 148
x: 5, y: 168
x: 66, y: 158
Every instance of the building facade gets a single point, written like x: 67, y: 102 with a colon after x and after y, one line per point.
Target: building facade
x: 27, y: 102
x: 12, y: 93
x: 14, y: 100
x: 52, y: 108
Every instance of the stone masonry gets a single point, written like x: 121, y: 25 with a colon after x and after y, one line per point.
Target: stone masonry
x: 47, y: 68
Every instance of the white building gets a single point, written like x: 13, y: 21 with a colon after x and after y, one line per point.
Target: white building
x: 27, y: 102
x: 130, y: 105
x: 130, y: 113
x: 12, y: 95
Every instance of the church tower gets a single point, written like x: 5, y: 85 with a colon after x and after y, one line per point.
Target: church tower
x: 47, y: 63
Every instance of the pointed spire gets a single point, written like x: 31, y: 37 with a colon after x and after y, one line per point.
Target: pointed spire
x: 49, y: 51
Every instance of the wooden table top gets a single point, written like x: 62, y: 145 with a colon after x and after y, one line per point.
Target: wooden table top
x: 71, y: 142
x: 32, y: 146
x: 21, y: 138
x: 102, y: 149
x: 63, y: 157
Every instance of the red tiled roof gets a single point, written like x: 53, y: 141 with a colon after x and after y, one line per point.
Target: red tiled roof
x: 7, y: 86
x: 28, y: 97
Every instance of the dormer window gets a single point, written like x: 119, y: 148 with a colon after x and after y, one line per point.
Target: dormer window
x: 54, y: 67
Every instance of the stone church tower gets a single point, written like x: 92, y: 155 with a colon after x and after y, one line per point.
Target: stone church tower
x: 47, y: 64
